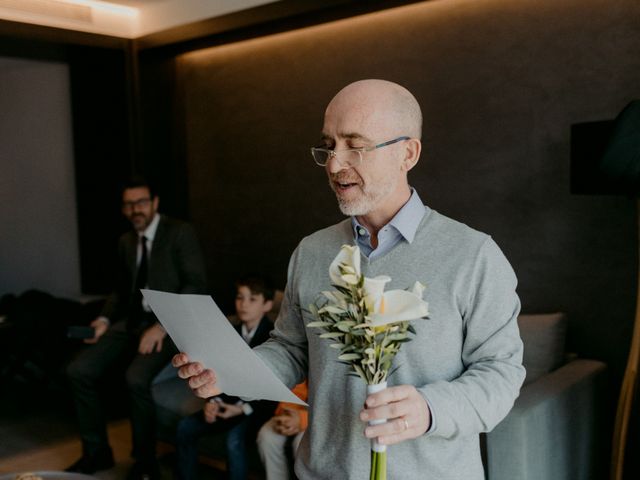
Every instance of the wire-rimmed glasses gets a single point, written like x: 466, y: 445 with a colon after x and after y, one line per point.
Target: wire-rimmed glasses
x: 350, y: 157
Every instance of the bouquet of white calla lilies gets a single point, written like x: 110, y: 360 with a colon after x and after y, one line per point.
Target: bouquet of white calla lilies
x: 367, y: 325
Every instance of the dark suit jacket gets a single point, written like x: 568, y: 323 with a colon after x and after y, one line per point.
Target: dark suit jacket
x: 176, y: 265
x: 262, y: 333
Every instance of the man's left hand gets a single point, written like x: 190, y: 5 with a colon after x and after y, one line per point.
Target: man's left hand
x: 151, y: 339
x: 405, y: 410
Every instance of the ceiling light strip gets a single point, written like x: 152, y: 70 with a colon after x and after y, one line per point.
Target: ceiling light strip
x: 55, y: 8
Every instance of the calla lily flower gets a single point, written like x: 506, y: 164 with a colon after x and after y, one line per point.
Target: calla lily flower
x: 399, y: 306
x: 418, y: 289
x: 349, y: 258
x: 374, y: 290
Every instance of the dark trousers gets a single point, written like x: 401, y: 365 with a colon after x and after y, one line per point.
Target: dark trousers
x: 191, y: 428
x: 87, y: 370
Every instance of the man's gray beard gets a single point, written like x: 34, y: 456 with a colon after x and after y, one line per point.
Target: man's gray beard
x: 369, y: 200
x: 354, y: 208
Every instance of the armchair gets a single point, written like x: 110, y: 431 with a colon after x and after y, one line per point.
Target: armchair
x: 556, y: 429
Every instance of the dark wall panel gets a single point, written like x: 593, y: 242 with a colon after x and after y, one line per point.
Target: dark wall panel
x: 103, y: 158
x: 104, y: 133
x: 500, y: 83
x: 162, y: 132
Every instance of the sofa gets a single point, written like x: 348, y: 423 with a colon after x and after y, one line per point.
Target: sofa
x: 554, y: 432
x: 557, y: 428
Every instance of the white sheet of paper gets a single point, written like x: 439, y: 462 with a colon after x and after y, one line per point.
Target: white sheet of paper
x: 200, y: 329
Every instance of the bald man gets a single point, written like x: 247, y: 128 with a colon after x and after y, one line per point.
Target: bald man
x: 463, y: 370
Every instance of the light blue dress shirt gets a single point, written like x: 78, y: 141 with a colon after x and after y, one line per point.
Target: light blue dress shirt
x: 402, y: 226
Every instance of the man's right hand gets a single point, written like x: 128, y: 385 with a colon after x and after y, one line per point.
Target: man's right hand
x: 202, y: 381
x: 100, y: 327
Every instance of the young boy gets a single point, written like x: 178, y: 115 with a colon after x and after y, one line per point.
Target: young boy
x: 222, y: 413
x: 283, y: 431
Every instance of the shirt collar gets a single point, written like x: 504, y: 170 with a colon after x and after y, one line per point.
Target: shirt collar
x: 150, y: 231
x: 406, y: 221
x: 248, y: 334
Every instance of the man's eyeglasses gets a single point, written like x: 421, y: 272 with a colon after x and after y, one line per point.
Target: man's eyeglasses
x: 350, y: 157
x: 142, y: 202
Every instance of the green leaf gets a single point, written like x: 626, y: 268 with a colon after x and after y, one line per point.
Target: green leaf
x: 387, y: 358
x: 332, y: 335
x: 394, y: 337
x: 362, y: 325
x: 343, y: 290
x: 319, y: 324
x: 332, y: 309
x: 344, y: 326
x: 350, y: 356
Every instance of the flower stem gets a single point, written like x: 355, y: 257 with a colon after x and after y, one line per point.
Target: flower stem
x: 381, y: 466
x: 374, y: 461
x: 378, y: 466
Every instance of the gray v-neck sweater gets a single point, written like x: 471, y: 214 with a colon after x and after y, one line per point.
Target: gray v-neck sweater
x: 466, y: 359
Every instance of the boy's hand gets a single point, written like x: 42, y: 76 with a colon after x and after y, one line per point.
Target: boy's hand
x: 288, y: 423
x: 201, y: 381
x: 227, y: 410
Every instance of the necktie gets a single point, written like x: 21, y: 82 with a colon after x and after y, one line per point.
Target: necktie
x: 141, y: 276
x: 137, y: 312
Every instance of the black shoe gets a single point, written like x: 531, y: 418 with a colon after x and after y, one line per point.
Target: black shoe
x: 144, y: 471
x: 91, y: 463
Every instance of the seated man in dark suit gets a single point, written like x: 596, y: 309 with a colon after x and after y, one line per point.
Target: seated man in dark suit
x: 225, y: 414
x: 159, y: 253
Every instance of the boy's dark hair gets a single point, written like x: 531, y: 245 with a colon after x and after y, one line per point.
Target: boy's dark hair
x: 137, y: 181
x: 257, y: 284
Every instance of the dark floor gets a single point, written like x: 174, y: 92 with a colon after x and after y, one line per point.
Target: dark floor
x: 36, y: 413
x: 32, y: 414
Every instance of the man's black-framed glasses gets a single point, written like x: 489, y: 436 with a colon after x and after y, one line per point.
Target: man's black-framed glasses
x: 142, y: 202
x: 349, y: 157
